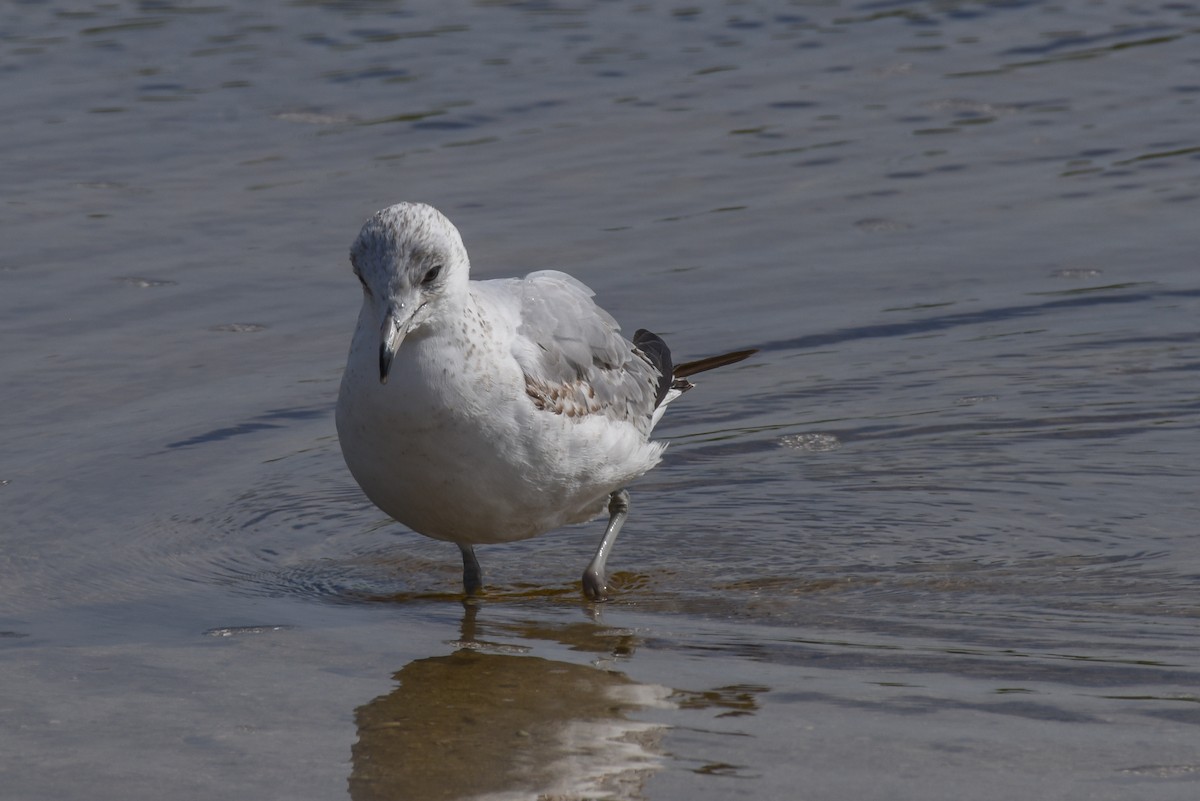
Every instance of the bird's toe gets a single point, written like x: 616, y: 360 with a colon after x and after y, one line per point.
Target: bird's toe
x: 595, y: 587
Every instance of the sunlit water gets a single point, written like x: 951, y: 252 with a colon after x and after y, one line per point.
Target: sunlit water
x: 937, y: 540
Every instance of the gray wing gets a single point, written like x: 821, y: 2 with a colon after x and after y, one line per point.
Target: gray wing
x: 575, y: 360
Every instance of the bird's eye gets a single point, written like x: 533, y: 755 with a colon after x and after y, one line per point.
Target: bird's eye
x: 432, y: 275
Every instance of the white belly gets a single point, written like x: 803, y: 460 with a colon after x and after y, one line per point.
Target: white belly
x: 469, y: 458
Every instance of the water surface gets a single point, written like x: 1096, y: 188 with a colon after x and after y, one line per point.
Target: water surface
x: 937, y: 539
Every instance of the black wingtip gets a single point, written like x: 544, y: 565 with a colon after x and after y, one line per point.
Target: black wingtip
x: 658, y: 354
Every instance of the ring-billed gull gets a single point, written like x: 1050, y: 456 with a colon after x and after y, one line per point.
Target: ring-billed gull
x: 492, y: 411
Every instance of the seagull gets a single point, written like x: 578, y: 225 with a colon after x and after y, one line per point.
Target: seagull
x: 482, y: 412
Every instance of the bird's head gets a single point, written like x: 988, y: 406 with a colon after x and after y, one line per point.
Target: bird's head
x: 411, y: 261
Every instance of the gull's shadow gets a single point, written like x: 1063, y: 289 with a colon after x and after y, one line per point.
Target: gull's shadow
x: 489, y: 719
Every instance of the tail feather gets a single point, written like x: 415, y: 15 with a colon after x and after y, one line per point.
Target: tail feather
x: 672, y: 378
x: 672, y: 381
x: 712, y: 362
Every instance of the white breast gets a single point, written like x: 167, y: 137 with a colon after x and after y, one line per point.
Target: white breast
x: 454, y: 448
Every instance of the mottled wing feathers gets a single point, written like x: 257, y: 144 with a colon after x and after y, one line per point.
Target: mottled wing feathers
x: 575, y: 360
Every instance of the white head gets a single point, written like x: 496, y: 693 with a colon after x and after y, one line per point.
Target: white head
x: 412, y: 263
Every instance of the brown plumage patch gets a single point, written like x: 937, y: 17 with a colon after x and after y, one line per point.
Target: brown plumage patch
x: 570, y: 398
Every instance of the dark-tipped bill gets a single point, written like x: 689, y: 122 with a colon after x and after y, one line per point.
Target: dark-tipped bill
x: 391, y: 334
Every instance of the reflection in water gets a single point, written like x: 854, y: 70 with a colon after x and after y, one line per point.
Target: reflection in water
x: 484, y: 721
x: 735, y: 699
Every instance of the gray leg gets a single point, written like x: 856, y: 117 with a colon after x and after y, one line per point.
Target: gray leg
x: 595, y: 584
x: 472, y: 574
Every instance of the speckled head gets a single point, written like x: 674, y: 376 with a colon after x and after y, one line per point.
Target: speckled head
x: 411, y: 262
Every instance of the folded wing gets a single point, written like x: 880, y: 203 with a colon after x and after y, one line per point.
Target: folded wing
x: 576, y: 362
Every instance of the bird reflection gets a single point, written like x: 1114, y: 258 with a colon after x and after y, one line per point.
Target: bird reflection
x: 486, y: 719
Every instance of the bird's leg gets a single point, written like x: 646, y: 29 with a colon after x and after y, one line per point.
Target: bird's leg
x: 595, y: 584
x: 472, y: 573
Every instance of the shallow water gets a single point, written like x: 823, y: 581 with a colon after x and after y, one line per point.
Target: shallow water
x: 937, y: 540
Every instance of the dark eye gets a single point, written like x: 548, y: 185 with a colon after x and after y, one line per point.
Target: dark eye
x: 432, y: 275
